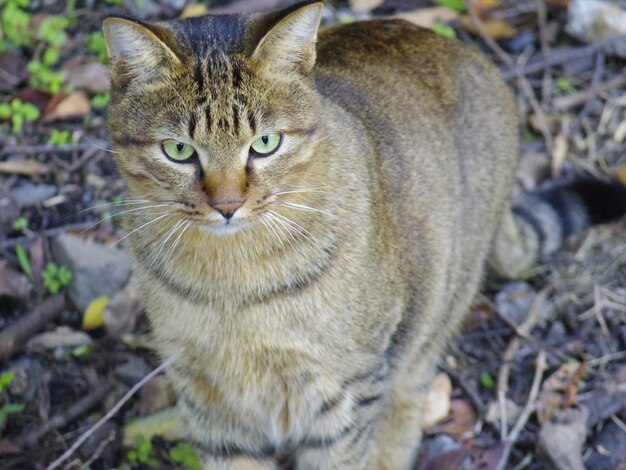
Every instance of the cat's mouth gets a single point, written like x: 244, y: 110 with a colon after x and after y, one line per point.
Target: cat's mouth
x: 228, y: 227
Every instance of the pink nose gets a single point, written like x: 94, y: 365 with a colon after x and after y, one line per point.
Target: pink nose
x: 227, y: 208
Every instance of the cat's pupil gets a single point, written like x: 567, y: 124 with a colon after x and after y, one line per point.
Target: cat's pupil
x: 180, y: 146
x: 265, y: 139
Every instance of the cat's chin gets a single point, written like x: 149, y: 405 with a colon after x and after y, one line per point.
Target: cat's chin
x: 223, y: 230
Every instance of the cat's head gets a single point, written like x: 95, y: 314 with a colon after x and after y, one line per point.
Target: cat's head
x: 213, y: 115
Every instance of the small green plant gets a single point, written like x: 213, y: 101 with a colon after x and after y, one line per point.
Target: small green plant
x: 20, y: 224
x: 96, y: 44
x: 43, y: 78
x: 444, y: 30
x: 141, y: 453
x: 183, y: 454
x: 56, y: 277
x: 6, y: 378
x: 60, y: 137
x: 486, y: 380
x: 100, y: 100
x: 84, y: 350
x: 23, y: 260
x: 14, y: 23
x: 115, y: 3
x: 457, y: 5
x: 18, y: 112
x: 564, y: 86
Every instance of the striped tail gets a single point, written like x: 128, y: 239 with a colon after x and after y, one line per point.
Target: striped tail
x: 540, y: 221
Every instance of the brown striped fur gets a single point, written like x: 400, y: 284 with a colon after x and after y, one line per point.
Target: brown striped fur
x: 309, y: 335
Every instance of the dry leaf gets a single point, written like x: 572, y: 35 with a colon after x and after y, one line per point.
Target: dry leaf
x: 61, y: 337
x: 621, y: 174
x: 496, y: 28
x: 437, y: 405
x: 559, y: 153
x: 462, y: 419
x: 94, y: 313
x: 561, y: 441
x: 75, y: 105
x: 365, y: 5
x: 89, y: 76
x: 427, y: 17
x: 167, y: 424
x: 557, y: 3
x: 559, y: 390
x: 12, y: 282
x: 23, y: 167
x: 198, y: 9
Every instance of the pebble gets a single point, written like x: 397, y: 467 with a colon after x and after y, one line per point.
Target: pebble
x: 97, y: 269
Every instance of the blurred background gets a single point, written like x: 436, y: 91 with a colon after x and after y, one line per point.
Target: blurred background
x: 537, y: 379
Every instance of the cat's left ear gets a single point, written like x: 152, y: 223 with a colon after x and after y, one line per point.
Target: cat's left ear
x: 136, y: 51
x: 288, y: 48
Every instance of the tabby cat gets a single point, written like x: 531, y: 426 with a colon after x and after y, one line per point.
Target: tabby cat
x: 314, y: 213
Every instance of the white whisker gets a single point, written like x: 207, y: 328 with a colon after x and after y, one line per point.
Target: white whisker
x: 125, y: 212
x: 299, y: 228
x: 305, y: 208
x: 173, y: 230
x: 288, y: 236
x: 142, y: 226
x: 173, y: 247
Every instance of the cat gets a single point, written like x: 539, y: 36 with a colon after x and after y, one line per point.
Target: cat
x: 314, y: 215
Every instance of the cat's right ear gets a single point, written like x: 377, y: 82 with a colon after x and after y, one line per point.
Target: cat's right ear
x: 136, y: 52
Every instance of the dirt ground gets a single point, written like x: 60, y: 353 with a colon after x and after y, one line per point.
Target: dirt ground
x: 537, y: 377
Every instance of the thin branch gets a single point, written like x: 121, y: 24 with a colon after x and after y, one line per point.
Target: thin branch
x: 86, y: 435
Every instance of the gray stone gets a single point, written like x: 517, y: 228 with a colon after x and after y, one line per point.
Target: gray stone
x: 97, y: 269
x: 29, y: 194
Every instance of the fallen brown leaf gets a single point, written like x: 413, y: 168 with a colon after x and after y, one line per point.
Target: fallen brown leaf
x: 494, y: 28
x: 83, y: 74
x: 13, y: 283
x: 23, y: 167
x: 462, y: 419
x: 561, y: 439
x: 427, y: 17
x: 365, y: 5
x: 75, y: 105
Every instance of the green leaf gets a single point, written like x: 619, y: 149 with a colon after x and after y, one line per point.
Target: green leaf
x: 457, y: 5
x: 12, y: 408
x: 486, y: 380
x: 17, y: 122
x: 22, y: 259
x: 444, y: 30
x: 20, y: 224
x: 5, y: 380
x: 30, y: 112
x: 5, y: 111
x: 185, y: 455
x: 50, y: 56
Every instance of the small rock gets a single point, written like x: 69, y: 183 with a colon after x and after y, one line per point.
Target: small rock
x: 595, y: 20
x: 29, y: 376
x: 29, y: 194
x: 511, y: 410
x: 132, y: 371
x: 97, y: 269
x: 514, y: 300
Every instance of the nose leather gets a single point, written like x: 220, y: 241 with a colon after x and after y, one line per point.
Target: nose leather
x: 227, y: 208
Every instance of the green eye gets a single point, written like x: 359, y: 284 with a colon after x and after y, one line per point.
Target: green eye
x: 266, y: 144
x: 177, y: 151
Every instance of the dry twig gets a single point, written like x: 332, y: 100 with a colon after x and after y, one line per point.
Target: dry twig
x: 13, y: 337
x: 86, y: 435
